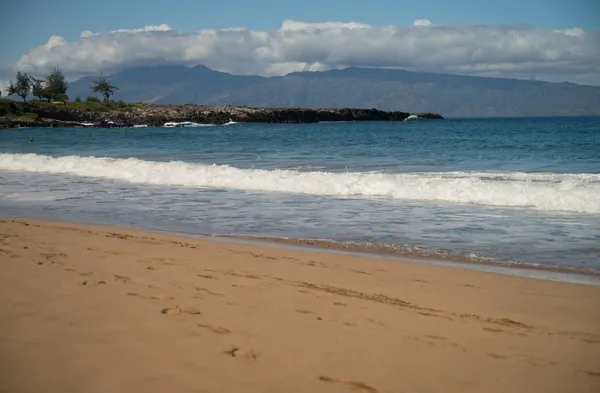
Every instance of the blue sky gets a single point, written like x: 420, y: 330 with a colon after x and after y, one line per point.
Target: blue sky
x: 554, y: 40
x: 30, y: 23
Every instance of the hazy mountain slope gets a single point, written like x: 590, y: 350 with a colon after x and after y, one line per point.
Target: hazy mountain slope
x: 415, y: 92
x: 450, y: 95
x: 166, y: 84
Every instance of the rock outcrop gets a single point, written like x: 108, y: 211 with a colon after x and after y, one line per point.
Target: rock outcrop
x: 157, y: 115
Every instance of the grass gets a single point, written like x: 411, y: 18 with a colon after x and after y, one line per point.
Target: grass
x: 16, y: 108
x: 28, y: 115
x: 9, y: 108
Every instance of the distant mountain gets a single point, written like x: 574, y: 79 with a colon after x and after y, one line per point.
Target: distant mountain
x: 166, y: 84
x: 450, y: 95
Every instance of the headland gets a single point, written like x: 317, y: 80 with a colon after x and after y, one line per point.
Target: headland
x: 119, y: 114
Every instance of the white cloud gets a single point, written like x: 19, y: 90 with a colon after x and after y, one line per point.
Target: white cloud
x: 87, y: 34
x: 55, y: 41
x: 145, y: 29
x: 574, y: 32
x: 510, y: 51
x: 4, y: 87
x: 422, y: 22
x: 292, y: 25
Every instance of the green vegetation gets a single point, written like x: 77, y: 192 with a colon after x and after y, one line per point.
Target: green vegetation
x: 7, y: 107
x: 15, y: 109
x: 104, y: 87
x: 21, y: 86
x: 53, y: 89
x: 29, y: 115
x: 29, y: 109
x: 56, y: 85
x: 38, y: 89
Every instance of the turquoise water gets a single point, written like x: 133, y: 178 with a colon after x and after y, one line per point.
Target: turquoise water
x: 504, y: 191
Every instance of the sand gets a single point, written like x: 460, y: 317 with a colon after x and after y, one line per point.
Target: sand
x: 93, y: 309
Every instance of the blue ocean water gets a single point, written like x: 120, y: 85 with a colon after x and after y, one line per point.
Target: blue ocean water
x: 503, y: 191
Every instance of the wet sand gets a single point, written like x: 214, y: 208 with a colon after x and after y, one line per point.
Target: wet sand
x: 94, y: 309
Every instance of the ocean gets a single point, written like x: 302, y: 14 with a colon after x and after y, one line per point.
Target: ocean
x: 497, y: 192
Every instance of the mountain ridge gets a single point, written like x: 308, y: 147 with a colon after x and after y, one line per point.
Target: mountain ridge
x: 356, y: 87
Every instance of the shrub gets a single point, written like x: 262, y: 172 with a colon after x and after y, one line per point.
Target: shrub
x: 30, y: 115
x: 62, y: 97
x: 8, y: 107
x: 77, y: 99
x: 93, y: 99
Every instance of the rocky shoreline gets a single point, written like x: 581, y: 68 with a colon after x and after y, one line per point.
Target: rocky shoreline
x: 59, y: 115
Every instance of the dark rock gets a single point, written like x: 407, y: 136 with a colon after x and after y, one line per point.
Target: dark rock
x: 428, y: 115
x: 6, y: 123
x: 158, y: 115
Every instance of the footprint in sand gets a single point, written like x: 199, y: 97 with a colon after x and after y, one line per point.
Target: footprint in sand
x: 215, y: 329
x: 357, y: 386
x: 122, y: 279
x: 434, y: 337
x: 89, y: 283
x: 493, y: 330
x: 180, y: 311
x: 592, y: 373
x: 159, y: 297
x: 531, y: 360
x: 151, y: 297
x: 241, y: 353
x: 470, y: 286
x: 10, y: 253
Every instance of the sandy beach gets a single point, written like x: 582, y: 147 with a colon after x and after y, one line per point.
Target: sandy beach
x: 94, y: 309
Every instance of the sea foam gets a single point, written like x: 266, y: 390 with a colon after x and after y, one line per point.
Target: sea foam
x: 548, y: 191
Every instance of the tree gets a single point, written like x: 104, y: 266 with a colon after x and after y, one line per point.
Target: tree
x: 21, y: 87
x: 102, y: 86
x: 62, y: 97
x: 56, y: 84
x: 37, y: 88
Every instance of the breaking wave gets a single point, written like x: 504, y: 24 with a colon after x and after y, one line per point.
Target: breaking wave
x: 548, y: 191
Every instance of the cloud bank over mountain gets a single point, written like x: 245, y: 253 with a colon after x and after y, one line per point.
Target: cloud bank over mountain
x: 502, y: 51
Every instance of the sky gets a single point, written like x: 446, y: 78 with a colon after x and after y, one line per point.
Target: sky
x: 555, y: 40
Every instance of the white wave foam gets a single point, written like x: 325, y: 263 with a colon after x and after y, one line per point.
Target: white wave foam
x: 559, y: 192
x: 186, y: 124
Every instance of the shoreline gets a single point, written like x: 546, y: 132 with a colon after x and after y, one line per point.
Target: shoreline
x: 123, y: 115
x: 374, y: 251
x: 125, y: 310
x: 516, y: 269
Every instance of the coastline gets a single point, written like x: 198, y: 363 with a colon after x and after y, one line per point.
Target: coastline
x: 123, y: 115
x: 380, y: 252
x: 394, y: 253
x: 129, y: 310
